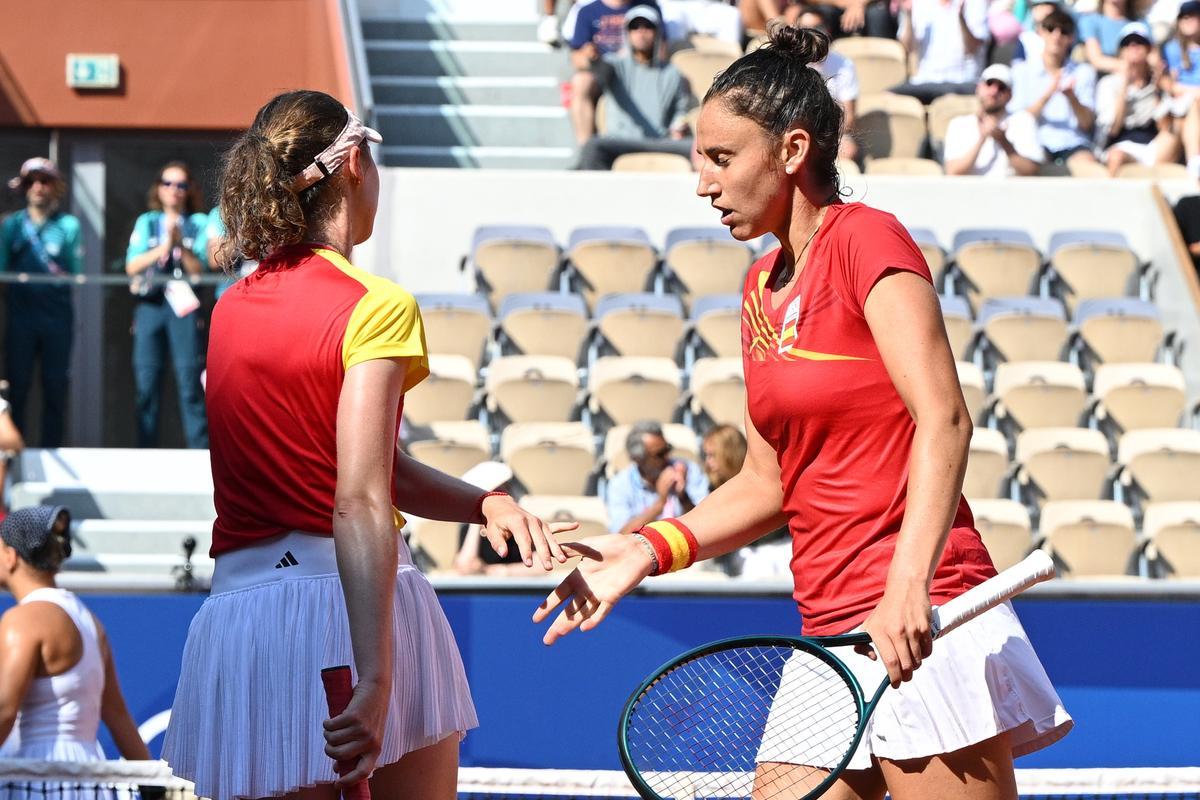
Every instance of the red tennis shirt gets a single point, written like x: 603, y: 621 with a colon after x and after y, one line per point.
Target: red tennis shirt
x: 819, y: 393
x: 281, y: 341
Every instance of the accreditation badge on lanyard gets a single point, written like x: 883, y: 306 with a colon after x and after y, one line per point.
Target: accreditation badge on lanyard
x: 789, y: 329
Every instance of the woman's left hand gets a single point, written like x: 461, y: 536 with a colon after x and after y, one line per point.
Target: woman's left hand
x: 506, y: 520
x: 901, y: 629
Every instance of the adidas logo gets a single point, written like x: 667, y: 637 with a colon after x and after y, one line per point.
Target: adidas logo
x: 288, y: 560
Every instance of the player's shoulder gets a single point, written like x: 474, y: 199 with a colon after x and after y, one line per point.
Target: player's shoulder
x: 854, y: 219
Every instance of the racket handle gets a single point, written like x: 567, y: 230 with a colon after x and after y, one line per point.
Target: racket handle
x: 338, y: 689
x: 1035, y: 568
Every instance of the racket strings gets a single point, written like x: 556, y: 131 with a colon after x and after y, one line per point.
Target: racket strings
x: 767, y: 722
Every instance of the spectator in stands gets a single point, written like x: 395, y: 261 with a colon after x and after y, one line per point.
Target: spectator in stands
x: 547, y: 30
x: 11, y: 444
x: 1102, y: 32
x: 992, y: 141
x: 596, y: 29
x: 167, y: 247
x: 683, y: 19
x: 57, y: 678
x: 1132, y: 112
x: 1182, y: 80
x: 842, y: 80
x: 950, y: 39
x: 757, y: 14
x: 647, y: 99
x: 1029, y: 42
x: 723, y: 451
x: 654, y: 486
x: 40, y: 240
x: 861, y: 17
x: 1059, y: 93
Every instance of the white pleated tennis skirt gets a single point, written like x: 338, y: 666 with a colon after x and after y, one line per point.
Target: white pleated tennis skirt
x: 247, y: 717
x: 982, y: 679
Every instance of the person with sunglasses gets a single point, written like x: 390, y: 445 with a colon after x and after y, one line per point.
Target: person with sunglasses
x: 168, y: 247
x: 992, y: 141
x: 40, y: 240
x: 655, y: 486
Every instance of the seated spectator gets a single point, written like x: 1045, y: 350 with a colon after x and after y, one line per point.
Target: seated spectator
x: 842, y: 79
x: 596, y: 29
x: 1182, y: 80
x: 950, y: 39
x: 1059, y: 93
x: 723, y: 451
x: 758, y: 14
x: 655, y: 486
x: 647, y: 99
x: 1187, y: 216
x: 856, y: 17
x: 11, y: 444
x: 685, y: 18
x: 992, y: 141
x: 1101, y: 34
x: 1131, y: 111
x: 1029, y: 42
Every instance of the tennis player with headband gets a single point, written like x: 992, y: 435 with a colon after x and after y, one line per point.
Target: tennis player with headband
x: 857, y: 441
x: 309, y: 359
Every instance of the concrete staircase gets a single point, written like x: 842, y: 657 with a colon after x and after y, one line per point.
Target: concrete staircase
x: 463, y: 85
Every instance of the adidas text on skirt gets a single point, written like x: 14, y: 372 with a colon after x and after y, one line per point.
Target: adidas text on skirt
x: 246, y: 722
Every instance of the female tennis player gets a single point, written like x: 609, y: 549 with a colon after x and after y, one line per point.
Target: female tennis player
x: 309, y: 359
x: 858, y: 437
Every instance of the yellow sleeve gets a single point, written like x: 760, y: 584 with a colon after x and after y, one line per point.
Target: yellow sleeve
x: 386, y: 323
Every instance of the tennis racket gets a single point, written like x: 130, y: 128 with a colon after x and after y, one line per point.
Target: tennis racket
x: 769, y: 717
x: 338, y: 689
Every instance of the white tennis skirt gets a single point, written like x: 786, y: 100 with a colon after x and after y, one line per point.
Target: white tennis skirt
x: 982, y: 679
x: 247, y: 717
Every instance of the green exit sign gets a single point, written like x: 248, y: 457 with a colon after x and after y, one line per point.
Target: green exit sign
x: 93, y: 71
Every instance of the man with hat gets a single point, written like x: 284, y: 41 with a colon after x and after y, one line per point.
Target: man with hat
x: 1132, y: 113
x: 991, y: 141
x: 44, y: 242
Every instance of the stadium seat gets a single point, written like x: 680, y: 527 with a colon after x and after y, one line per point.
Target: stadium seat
x: 1155, y: 172
x: 706, y: 261
x: 532, y: 388
x: 640, y: 324
x: 611, y: 259
x: 452, y: 447
x: 718, y: 390
x: 996, y: 262
x: 1132, y: 396
x: 944, y: 109
x: 447, y: 394
x: 434, y: 541
x: 550, y: 457
x: 1039, y: 394
x: 970, y: 378
x: 935, y: 255
x: 701, y: 67
x: 711, y: 44
x: 1090, y: 537
x: 589, y: 512
x: 1004, y: 526
x: 456, y: 324
x: 1062, y: 464
x: 879, y: 63
x: 544, y: 324
x: 1160, y: 464
x: 683, y: 440
x: 652, y: 162
x: 956, y: 314
x: 904, y: 166
x: 137, y: 545
x: 890, y: 126
x: 1172, y: 532
x: 1022, y: 329
x: 626, y: 389
x: 987, y: 464
x: 514, y: 258
x: 717, y: 324
x: 1118, y: 330
x: 1092, y: 264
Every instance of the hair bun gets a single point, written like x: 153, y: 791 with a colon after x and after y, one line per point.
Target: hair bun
x: 805, y: 45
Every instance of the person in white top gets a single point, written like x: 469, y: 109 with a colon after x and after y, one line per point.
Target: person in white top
x: 57, y: 679
x: 842, y: 80
x: 950, y: 39
x: 991, y: 141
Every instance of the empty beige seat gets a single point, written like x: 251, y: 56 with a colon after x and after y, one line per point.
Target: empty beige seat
x: 960, y: 328
x: 445, y: 395
x: 1155, y: 172
x: 935, y: 255
x: 610, y: 260
x: 1090, y: 537
x: 717, y: 324
x: 706, y: 261
x: 544, y: 324
x: 589, y: 512
x: 436, y: 540
x: 1137, y: 396
x: 641, y: 324
x: 532, y: 388
x: 970, y: 378
x: 549, y: 457
x: 1062, y: 463
x: 1092, y: 264
x: 651, y: 162
x: 987, y: 464
x: 1119, y: 329
x: 459, y: 324
x: 700, y: 67
x: 719, y: 390
x: 1173, y: 534
x: 879, y: 63
x: 890, y: 125
x: 904, y: 166
x: 1023, y: 328
x: 1039, y: 394
x: 452, y: 447
x: 514, y: 258
x: 1004, y: 526
x: 996, y: 262
x: 944, y: 109
x: 1162, y: 464
x: 631, y: 388
x: 683, y: 441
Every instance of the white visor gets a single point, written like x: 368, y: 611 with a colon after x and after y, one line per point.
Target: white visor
x: 336, y: 154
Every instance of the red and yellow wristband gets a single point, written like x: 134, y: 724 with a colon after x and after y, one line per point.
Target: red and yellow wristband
x: 674, y: 546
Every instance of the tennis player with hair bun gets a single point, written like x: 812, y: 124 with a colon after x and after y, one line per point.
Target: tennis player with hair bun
x: 857, y: 441
x: 308, y: 363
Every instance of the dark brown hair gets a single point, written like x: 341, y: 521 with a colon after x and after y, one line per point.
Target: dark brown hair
x: 261, y: 213
x: 191, y: 204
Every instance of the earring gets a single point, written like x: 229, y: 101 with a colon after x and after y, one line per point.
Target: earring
x: 789, y: 169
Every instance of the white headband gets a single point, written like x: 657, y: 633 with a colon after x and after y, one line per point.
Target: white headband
x: 336, y: 154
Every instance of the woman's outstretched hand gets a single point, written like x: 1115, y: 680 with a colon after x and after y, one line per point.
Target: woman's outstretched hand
x: 506, y: 520
x: 611, y: 566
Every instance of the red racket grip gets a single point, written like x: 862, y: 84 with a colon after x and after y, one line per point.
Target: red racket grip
x: 338, y: 689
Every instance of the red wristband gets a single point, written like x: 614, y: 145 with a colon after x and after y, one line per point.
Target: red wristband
x: 478, y: 515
